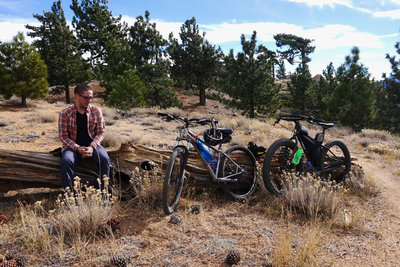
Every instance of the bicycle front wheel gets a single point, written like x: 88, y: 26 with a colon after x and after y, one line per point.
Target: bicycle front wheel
x: 239, y: 159
x: 335, y: 161
x: 174, y: 179
x: 277, y: 162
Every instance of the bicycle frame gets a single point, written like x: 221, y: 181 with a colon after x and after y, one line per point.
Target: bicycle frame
x: 186, y: 135
x: 296, y: 139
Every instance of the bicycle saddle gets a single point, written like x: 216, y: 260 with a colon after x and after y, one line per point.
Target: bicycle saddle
x: 326, y: 125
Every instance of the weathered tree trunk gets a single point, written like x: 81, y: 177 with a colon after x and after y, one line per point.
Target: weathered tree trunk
x: 24, y: 169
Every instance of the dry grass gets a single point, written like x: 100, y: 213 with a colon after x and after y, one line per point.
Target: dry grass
x: 5, y: 122
x: 305, y: 250
x: 112, y: 139
x: 360, y: 184
x: 312, y: 196
x: 147, y: 185
x: 45, y: 117
x: 79, y: 218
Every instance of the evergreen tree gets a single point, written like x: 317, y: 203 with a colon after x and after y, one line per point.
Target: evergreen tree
x: 388, y: 97
x: 295, y: 47
x: 301, y: 85
x: 23, y: 72
x: 148, y: 54
x: 281, y: 72
x: 320, y: 97
x: 353, y: 100
x: 58, y: 48
x: 128, y: 91
x: 195, y: 60
x: 247, y: 79
x: 103, y: 38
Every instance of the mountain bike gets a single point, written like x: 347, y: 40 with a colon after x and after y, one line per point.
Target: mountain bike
x: 329, y: 161
x: 234, y: 170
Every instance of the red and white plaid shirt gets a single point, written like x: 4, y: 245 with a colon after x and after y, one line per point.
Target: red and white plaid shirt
x: 67, y: 127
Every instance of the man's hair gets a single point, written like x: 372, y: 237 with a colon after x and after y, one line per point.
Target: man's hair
x: 80, y: 88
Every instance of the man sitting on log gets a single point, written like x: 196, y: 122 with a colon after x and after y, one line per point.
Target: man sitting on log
x: 81, y: 130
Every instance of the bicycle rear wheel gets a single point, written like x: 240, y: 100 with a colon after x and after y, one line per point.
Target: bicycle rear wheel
x: 277, y: 162
x: 239, y: 159
x: 335, y: 161
x: 174, y: 179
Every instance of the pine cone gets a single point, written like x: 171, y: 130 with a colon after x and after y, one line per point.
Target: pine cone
x: 3, y: 219
x: 195, y: 209
x: 175, y: 219
x: 118, y: 261
x: 113, y: 223
x: 233, y: 257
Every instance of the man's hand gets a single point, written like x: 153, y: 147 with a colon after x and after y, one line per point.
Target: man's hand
x: 86, y: 152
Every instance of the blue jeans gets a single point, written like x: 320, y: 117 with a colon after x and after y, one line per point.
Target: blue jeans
x: 70, y: 158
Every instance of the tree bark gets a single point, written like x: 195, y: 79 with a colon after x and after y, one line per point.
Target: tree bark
x: 67, y: 97
x: 202, y: 96
x: 26, y: 169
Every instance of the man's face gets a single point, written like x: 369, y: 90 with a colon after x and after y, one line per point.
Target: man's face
x: 84, y: 98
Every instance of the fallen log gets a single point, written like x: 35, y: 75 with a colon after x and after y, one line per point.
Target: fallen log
x: 26, y: 169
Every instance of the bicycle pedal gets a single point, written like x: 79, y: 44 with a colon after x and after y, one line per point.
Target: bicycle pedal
x: 201, y: 179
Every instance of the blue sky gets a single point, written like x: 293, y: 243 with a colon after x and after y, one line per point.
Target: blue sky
x: 335, y: 26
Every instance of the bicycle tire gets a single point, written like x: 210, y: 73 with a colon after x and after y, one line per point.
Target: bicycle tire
x: 335, y: 156
x: 246, y: 183
x: 174, y: 179
x: 277, y: 161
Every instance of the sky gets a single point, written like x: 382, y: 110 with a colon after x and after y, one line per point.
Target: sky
x: 335, y: 26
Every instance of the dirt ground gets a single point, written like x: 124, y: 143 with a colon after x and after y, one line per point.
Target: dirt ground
x: 202, y: 240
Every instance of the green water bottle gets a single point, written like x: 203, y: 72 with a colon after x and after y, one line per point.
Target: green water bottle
x: 297, y: 156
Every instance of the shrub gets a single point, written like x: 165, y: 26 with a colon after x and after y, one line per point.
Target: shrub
x: 43, y: 118
x: 79, y: 217
x: 311, y: 196
x: 128, y: 91
x: 148, y: 186
x: 84, y: 212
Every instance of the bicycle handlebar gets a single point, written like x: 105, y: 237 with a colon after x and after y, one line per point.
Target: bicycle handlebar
x: 170, y: 117
x: 295, y: 118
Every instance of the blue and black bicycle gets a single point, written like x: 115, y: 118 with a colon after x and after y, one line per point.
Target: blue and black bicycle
x: 234, y: 170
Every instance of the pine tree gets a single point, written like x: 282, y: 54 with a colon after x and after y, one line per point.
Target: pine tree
x: 388, y: 97
x: 195, y: 60
x: 352, y: 101
x: 58, y: 48
x: 23, y: 72
x: 301, y: 84
x: 103, y: 37
x: 281, y: 72
x: 323, y: 91
x: 247, y: 79
x: 128, y: 91
x: 148, y: 54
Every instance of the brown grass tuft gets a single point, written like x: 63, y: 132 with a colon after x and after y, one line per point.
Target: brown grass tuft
x: 360, y: 184
x: 44, y: 117
x: 305, y: 250
x: 79, y: 217
x: 147, y: 185
x: 311, y: 196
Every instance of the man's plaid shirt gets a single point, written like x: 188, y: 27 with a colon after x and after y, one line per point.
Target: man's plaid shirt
x: 67, y: 127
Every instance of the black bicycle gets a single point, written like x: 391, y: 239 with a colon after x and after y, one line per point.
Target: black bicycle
x: 330, y: 161
x: 234, y: 170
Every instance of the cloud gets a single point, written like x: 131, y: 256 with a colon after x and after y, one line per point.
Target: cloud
x: 392, y: 14
x: 322, y: 3
x: 10, y: 28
